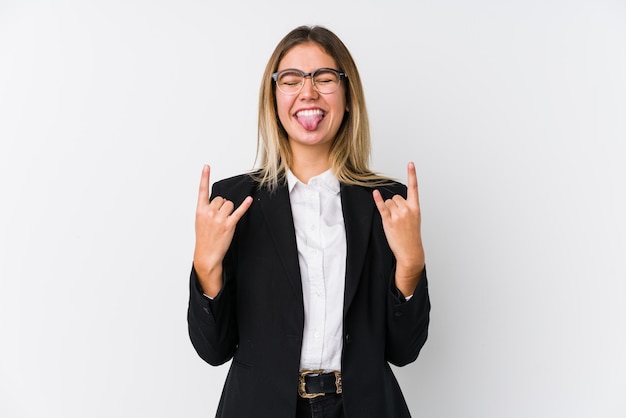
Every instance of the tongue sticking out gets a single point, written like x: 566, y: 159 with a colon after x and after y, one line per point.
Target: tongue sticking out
x: 310, y: 122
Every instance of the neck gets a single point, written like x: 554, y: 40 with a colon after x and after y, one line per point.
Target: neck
x: 309, y: 164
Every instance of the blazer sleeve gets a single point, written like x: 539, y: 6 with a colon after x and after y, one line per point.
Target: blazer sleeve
x: 212, y: 323
x: 407, y: 323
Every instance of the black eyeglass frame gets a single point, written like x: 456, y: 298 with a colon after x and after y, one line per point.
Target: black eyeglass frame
x: 312, y: 75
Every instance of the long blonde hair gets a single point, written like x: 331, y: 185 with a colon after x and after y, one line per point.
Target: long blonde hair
x: 350, y: 151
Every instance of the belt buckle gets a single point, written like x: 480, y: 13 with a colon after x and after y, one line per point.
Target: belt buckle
x: 302, y: 383
x: 338, y: 382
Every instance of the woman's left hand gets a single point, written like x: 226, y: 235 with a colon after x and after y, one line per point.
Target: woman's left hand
x: 402, y: 225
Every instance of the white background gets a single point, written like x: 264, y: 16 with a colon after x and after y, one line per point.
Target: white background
x: 514, y: 112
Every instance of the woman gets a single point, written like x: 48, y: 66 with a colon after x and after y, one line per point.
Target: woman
x: 309, y: 272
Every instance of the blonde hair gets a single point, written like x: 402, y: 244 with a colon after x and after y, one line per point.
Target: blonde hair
x: 350, y: 151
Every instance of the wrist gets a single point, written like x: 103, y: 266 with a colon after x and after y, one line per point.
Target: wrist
x: 209, y: 279
x: 408, y: 277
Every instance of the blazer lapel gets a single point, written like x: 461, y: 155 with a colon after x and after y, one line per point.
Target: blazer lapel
x: 358, y: 208
x: 276, y: 208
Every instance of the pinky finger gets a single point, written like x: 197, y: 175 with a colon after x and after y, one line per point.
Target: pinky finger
x: 380, y: 203
x: 242, y: 209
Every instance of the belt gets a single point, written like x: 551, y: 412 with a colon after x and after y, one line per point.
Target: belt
x: 314, y: 383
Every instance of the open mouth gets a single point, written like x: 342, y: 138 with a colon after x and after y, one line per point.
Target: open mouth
x: 310, y: 118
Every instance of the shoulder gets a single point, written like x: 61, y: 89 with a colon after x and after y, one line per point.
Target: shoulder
x: 388, y: 189
x: 391, y: 189
x: 235, y: 188
x: 240, y: 180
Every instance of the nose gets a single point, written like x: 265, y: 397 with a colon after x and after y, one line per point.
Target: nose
x: 308, y: 89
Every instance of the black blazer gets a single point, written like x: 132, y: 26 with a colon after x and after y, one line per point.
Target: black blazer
x: 257, y: 319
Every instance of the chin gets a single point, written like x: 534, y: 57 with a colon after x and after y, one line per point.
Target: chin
x: 311, y: 141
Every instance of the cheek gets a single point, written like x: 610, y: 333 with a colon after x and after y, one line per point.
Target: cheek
x: 282, y: 108
x: 283, y: 114
x: 340, y: 104
x: 341, y: 108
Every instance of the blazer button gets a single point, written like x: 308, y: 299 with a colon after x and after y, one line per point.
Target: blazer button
x: 348, y: 338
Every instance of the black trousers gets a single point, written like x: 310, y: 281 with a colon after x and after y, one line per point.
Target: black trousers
x: 327, y: 406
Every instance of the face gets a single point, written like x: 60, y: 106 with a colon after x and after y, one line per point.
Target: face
x: 310, y: 118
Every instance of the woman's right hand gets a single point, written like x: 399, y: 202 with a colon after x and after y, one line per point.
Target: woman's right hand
x: 215, y: 226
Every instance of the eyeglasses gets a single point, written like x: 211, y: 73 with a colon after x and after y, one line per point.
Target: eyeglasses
x: 325, y: 80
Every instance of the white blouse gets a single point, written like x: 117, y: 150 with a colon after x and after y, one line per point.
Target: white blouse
x: 321, y: 241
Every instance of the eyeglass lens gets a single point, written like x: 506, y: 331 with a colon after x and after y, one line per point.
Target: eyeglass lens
x: 325, y: 81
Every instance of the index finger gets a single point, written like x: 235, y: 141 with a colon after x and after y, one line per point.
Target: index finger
x: 203, y: 193
x: 412, y: 193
